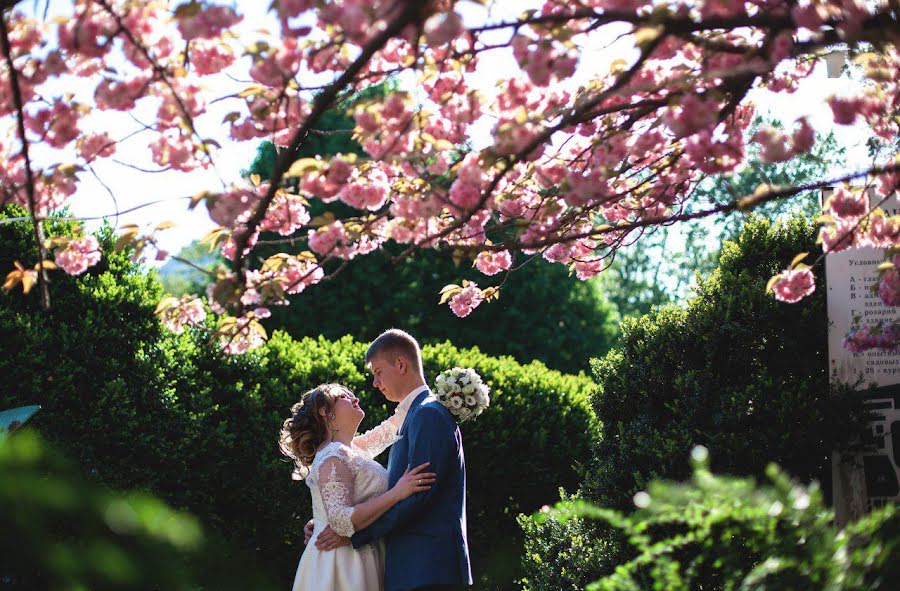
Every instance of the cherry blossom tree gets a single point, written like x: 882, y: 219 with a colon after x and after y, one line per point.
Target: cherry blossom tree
x: 573, y: 171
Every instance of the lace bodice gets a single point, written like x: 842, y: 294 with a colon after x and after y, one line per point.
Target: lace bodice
x: 342, y: 476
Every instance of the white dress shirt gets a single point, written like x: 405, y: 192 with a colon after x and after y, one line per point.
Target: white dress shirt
x: 403, y: 407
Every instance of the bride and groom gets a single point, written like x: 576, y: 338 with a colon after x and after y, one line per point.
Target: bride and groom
x: 399, y: 529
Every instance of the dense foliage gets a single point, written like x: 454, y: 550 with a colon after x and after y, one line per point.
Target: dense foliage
x: 139, y: 407
x: 729, y: 533
x: 63, y: 531
x: 732, y: 369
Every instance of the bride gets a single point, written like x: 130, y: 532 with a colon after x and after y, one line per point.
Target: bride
x: 349, y: 488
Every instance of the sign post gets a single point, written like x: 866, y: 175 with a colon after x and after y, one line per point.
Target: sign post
x: 863, y: 481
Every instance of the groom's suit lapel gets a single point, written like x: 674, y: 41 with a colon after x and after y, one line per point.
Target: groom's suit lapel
x: 412, y: 408
x: 397, y: 459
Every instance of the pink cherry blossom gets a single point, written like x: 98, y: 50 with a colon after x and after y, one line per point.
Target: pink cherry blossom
x: 188, y: 312
x: 547, y: 161
x: 286, y: 215
x: 244, y: 336
x: 209, y: 57
x: 333, y: 240
x: 692, y: 115
x: 79, y: 255
x: 228, y: 208
x: 57, y: 125
x: 301, y: 274
x: 804, y: 137
x: 493, y: 262
x: 845, y: 204
x: 882, y: 231
x: 443, y: 28
x: 229, y: 249
x: 840, y: 236
x: 889, y: 287
x: 88, y: 35
x: 177, y: 151
x: 120, y: 96
x: 887, y: 183
x: 206, y: 21
x: 291, y: 8
x: 793, y: 285
x: 778, y: 147
x: 463, y: 303
x: 368, y: 192
x: 98, y: 145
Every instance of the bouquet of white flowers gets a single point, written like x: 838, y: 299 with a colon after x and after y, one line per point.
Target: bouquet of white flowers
x: 463, y: 392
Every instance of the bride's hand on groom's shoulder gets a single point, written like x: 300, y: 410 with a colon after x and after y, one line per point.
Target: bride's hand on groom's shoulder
x: 329, y: 540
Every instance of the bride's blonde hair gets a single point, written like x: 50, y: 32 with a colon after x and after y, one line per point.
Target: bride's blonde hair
x: 306, y: 429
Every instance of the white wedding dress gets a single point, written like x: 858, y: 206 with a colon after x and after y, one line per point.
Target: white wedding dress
x: 339, y: 478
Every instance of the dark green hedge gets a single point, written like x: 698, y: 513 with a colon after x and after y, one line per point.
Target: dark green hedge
x: 139, y: 407
x: 733, y: 370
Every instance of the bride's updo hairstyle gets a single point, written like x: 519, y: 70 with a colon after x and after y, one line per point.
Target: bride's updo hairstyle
x: 306, y: 429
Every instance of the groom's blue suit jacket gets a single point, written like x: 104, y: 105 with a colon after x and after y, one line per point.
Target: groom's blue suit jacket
x: 426, y: 532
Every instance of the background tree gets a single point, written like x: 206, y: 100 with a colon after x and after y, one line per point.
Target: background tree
x: 579, y: 163
x: 732, y: 370
x: 385, y: 290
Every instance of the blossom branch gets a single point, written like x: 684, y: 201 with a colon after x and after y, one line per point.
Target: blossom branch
x: 37, y: 226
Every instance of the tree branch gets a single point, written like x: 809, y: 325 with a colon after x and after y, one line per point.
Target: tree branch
x: 29, y: 174
x: 322, y: 103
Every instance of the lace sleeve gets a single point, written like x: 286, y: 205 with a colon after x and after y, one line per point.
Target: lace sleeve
x: 336, y: 487
x: 376, y: 440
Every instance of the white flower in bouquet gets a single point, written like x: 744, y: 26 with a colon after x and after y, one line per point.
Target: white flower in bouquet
x: 462, y: 392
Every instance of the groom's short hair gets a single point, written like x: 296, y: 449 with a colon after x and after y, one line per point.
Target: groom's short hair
x: 396, y: 342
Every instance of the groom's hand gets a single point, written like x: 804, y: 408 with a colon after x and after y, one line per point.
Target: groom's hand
x: 328, y: 540
x: 308, y: 531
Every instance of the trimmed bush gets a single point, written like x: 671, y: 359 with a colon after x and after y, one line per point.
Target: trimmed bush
x: 566, y: 554
x: 139, y: 407
x: 733, y: 369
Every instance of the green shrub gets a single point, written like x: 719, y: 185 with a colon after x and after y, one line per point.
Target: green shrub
x: 538, y: 421
x: 139, y: 407
x: 60, y: 531
x: 728, y: 533
x: 733, y: 369
x: 566, y: 555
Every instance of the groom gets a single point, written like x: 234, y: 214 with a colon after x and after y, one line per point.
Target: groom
x: 425, y: 533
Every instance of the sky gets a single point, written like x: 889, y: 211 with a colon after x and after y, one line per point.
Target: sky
x: 117, y: 187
